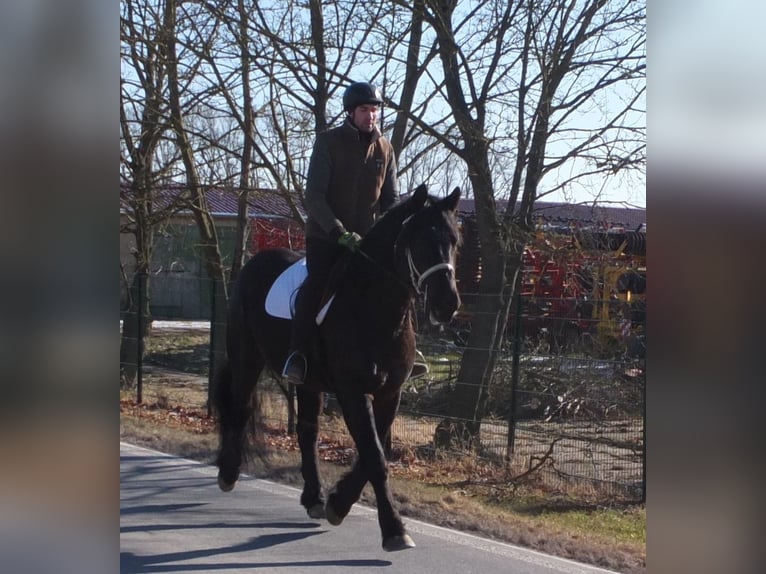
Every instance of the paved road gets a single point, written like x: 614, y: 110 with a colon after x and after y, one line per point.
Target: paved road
x: 173, y: 518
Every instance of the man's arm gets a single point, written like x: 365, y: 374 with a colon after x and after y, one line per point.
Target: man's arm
x: 317, y: 184
x: 389, y: 193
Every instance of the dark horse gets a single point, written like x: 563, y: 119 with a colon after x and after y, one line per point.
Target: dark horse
x: 363, y: 350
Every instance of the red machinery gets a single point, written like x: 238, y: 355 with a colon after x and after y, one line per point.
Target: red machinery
x: 590, y: 284
x: 268, y: 233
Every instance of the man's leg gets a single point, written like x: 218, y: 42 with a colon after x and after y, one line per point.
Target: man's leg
x: 296, y: 365
x: 320, y: 257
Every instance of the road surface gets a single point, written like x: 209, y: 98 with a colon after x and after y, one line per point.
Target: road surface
x: 173, y: 518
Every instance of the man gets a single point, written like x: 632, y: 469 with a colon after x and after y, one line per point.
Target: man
x: 350, y: 183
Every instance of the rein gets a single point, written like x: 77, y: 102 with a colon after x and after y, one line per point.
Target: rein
x: 416, y: 277
x: 390, y: 273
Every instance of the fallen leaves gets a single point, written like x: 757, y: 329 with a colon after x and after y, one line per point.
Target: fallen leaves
x: 192, y: 420
x: 333, y: 447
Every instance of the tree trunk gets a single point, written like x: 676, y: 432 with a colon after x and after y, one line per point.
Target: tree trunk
x: 467, y: 404
x: 411, y: 75
x: 205, y: 224
x: 247, y: 146
x: 131, y: 339
x: 141, y: 153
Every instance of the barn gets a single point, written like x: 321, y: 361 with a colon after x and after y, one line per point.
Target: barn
x: 577, y: 248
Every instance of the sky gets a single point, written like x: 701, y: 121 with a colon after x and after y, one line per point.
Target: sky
x: 625, y: 188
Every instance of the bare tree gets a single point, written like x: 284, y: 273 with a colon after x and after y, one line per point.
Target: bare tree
x: 208, y: 241
x: 142, y: 127
x: 530, y: 95
x: 547, y: 62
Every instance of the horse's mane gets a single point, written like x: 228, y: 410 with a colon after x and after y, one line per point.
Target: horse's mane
x: 382, y: 235
x: 378, y: 243
x: 379, y: 246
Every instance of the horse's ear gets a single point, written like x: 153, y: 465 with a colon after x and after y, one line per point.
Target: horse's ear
x: 420, y: 196
x: 450, y: 202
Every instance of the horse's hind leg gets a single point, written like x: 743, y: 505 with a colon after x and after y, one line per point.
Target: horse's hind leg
x: 309, y: 406
x: 358, y: 413
x: 233, y: 393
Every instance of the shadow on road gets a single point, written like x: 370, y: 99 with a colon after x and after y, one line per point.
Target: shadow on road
x: 132, y: 564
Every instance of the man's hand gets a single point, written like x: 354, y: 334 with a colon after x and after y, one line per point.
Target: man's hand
x: 350, y: 240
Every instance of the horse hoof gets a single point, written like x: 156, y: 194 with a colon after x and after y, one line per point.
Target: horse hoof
x: 316, y: 511
x: 396, y: 543
x: 331, y: 516
x: 225, y: 486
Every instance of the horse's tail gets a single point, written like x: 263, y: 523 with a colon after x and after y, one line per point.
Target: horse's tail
x: 231, y: 427
x: 222, y: 390
x: 234, y: 414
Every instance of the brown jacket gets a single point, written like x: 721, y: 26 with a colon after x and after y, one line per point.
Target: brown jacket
x: 350, y: 182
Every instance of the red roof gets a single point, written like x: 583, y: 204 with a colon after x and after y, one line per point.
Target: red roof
x: 260, y: 202
x: 270, y: 203
x: 223, y: 202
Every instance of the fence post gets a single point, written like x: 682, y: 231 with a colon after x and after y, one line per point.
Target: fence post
x: 140, y: 334
x: 211, y: 348
x: 643, y: 426
x: 514, y: 374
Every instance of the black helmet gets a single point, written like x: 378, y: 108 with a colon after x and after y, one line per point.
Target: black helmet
x: 360, y: 93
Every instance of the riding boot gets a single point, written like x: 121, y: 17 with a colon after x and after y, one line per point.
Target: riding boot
x: 296, y: 365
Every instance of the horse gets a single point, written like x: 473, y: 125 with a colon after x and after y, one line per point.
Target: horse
x: 363, y: 351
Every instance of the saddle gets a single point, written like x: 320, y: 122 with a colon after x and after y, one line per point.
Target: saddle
x: 280, y: 300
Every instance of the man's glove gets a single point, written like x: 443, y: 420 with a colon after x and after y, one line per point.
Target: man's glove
x: 350, y: 240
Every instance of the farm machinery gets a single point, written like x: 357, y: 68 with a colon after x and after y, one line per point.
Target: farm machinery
x: 585, y: 288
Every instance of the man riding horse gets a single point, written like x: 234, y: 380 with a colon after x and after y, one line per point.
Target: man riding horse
x: 351, y: 182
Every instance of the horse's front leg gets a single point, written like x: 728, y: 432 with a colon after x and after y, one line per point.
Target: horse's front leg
x: 384, y: 409
x: 309, y: 406
x: 372, y: 466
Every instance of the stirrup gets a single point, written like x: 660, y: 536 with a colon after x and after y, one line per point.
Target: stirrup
x: 420, y: 367
x: 294, y: 371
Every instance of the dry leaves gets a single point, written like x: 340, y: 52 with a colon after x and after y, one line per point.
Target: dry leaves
x: 333, y: 448
x: 192, y: 420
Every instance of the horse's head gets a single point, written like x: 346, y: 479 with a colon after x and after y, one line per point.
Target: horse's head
x: 426, y: 249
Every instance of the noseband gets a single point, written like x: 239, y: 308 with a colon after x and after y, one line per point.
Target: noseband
x: 418, y: 278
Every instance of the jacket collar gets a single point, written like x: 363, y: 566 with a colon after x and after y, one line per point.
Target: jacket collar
x: 350, y: 129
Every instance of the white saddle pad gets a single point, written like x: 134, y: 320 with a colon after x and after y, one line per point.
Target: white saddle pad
x: 280, y: 301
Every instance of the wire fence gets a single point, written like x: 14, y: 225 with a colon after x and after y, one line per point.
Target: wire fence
x: 566, y: 399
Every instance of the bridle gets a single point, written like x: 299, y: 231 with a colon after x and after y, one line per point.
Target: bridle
x: 417, y: 278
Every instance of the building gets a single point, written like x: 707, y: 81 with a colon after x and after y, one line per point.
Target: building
x: 179, y: 288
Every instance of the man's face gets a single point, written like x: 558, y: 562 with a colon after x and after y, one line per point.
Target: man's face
x: 365, y: 117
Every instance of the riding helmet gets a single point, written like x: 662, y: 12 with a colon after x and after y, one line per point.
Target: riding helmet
x: 360, y: 93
